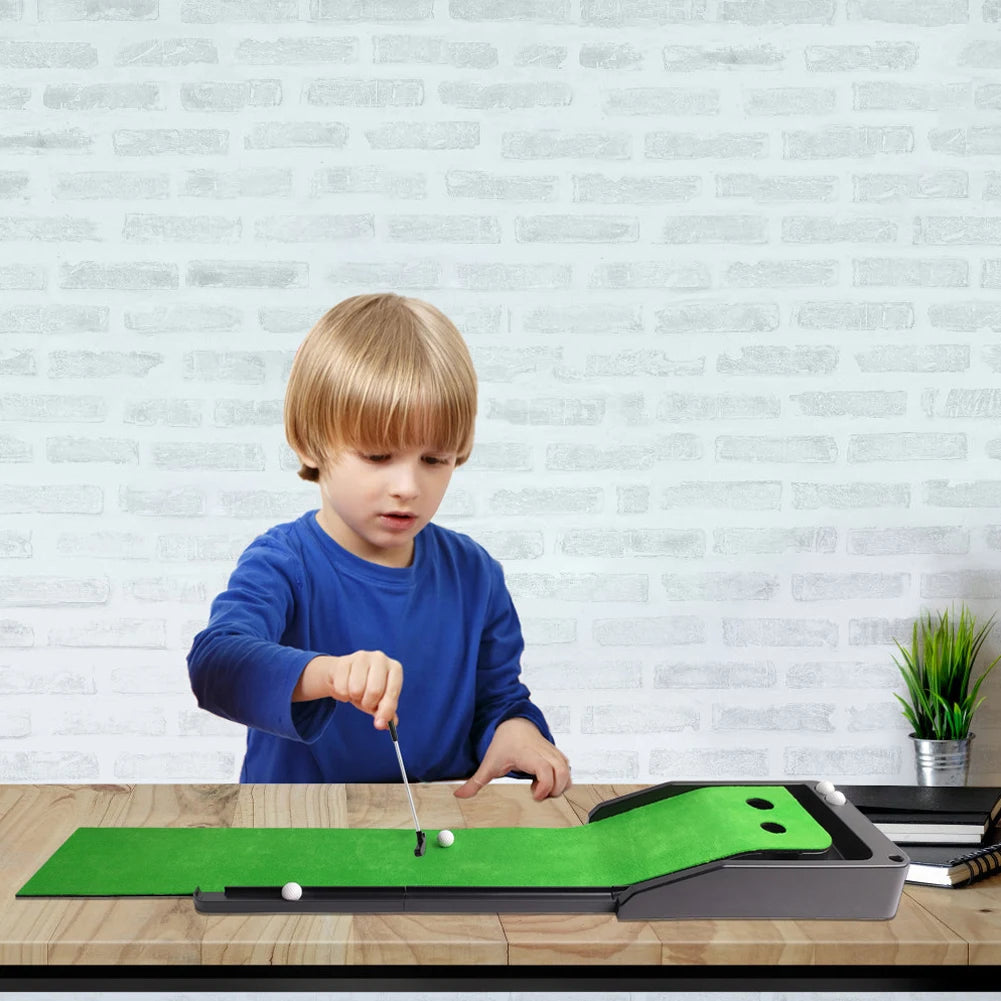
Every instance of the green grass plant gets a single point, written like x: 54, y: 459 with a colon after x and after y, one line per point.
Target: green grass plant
x: 938, y: 669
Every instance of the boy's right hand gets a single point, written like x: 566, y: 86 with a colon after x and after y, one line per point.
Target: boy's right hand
x: 368, y: 679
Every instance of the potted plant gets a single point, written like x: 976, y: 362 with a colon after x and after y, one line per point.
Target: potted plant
x: 938, y: 670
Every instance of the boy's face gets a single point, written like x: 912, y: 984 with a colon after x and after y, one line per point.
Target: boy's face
x: 374, y: 504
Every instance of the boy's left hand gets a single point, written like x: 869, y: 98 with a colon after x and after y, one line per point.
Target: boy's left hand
x: 518, y: 746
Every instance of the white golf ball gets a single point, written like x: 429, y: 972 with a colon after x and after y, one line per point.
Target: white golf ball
x: 446, y: 838
x: 291, y: 891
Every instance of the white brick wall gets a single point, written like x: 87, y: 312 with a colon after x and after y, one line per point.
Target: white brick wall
x: 730, y: 273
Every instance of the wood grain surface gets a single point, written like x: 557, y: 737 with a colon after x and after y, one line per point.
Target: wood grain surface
x: 933, y: 926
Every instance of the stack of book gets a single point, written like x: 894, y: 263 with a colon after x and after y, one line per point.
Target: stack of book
x: 948, y: 831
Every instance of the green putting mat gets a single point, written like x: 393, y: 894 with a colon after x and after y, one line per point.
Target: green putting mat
x: 688, y: 829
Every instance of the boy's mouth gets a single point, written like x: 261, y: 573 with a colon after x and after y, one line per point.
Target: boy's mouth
x: 397, y: 519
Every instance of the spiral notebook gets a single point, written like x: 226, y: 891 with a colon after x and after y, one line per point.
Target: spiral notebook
x: 949, y: 865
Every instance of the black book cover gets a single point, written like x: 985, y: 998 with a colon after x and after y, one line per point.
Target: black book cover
x: 895, y: 804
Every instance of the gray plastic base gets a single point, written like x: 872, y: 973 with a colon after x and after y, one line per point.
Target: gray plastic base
x: 860, y: 877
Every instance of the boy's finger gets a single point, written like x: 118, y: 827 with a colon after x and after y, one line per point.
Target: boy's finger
x: 562, y: 782
x: 374, y: 689
x: 382, y: 724
x: 561, y: 773
x: 544, y: 780
x: 473, y: 784
x: 358, y: 680
x: 391, y: 684
x: 394, y: 679
x: 385, y: 711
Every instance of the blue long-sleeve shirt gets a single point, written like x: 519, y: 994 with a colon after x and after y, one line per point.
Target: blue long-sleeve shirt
x: 296, y: 594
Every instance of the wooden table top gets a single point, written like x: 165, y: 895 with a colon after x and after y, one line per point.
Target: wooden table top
x: 933, y: 926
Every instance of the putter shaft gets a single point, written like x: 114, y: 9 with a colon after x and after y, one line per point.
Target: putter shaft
x: 419, y: 850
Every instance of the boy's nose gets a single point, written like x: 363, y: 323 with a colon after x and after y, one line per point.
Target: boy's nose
x: 404, y: 483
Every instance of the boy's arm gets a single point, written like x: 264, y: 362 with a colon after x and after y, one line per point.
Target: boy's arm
x: 238, y: 667
x: 509, y: 732
x: 500, y: 695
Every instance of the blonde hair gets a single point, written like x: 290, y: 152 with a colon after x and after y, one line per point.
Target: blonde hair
x: 380, y: 372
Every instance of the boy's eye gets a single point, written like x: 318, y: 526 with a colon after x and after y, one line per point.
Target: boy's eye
x: 431, y: 460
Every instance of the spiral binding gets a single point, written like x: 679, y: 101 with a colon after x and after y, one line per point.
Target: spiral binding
x: 982, y: 863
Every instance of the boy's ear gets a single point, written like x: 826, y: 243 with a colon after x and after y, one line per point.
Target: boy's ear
x: 307, y: 460
x: 308, y: 468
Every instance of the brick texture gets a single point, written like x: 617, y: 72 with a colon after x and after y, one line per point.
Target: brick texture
x: 729, y: 273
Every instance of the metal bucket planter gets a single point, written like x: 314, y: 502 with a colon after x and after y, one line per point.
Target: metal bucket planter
x: 942, y: 762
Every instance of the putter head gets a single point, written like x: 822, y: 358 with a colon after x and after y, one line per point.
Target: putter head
x: 421, y: 838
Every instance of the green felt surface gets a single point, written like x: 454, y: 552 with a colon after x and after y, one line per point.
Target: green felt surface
x: 688, y: 829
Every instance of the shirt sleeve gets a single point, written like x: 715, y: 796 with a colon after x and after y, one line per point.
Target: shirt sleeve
x: 238, y: 666
x: 500, y: 694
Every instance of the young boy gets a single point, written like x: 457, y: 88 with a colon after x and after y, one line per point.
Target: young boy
x: 325, y: 617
